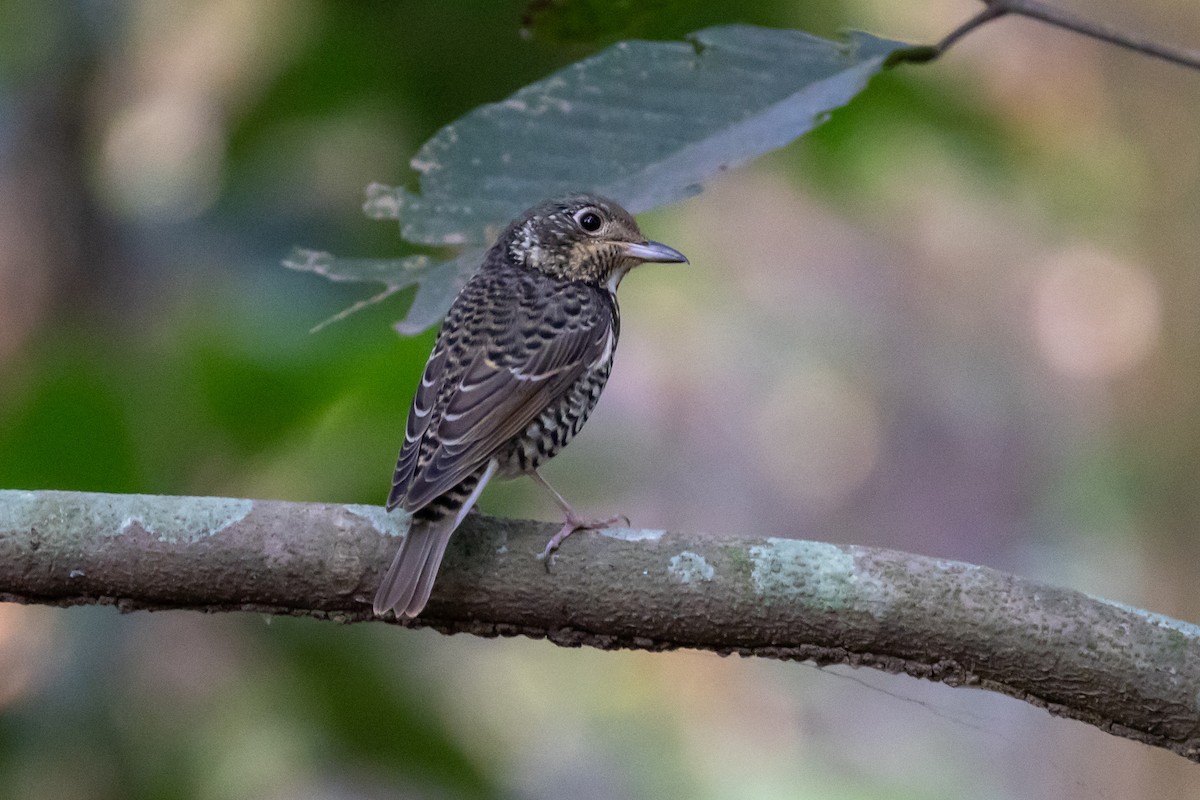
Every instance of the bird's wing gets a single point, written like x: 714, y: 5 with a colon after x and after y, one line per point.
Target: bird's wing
x: 520, y: 357
x: 419, y: 417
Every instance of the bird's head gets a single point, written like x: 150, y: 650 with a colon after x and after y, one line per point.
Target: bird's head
x: 582, y: 237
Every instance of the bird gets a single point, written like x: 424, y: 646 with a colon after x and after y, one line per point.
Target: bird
x: 519, y: 363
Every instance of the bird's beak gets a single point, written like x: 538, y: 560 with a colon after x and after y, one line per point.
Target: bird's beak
x: 654, y: 251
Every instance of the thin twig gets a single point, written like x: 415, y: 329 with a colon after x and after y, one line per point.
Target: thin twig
x: 1105, y: 33
x: 990, y: 12
x: 1033, y: 9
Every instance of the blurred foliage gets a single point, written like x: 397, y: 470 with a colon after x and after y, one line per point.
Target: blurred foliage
x: 606, y: 21
x: 73, y: 427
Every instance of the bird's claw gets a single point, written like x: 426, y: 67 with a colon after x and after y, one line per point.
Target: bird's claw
x: 566, y: 530
x: 569, y: 527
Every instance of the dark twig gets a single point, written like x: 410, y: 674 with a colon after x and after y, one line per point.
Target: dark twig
x: 990, y: 12
x: 1034, y: 9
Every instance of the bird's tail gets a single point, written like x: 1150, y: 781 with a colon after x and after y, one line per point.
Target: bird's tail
x: 409, y: 580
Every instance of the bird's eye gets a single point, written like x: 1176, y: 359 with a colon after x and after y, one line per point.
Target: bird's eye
x: 589, y: 220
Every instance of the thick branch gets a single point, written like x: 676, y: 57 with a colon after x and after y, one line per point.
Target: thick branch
x: 1129, y: 672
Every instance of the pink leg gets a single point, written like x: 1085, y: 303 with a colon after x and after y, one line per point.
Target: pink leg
x: 571, y: 520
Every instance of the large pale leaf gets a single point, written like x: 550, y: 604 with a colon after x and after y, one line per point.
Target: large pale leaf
x: 646, y: 123
x: 437, y: 282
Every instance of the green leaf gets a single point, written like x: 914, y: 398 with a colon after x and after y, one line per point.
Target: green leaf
x: 395, y: 273
x: 439, y: 286
x: 643, y: 122
x: 437, y: 281
x: 646, y: 123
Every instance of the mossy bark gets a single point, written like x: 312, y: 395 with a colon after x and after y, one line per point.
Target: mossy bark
x: 1129, y: 672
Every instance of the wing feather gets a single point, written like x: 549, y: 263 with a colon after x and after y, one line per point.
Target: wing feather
x: 419, y: 418
x: 537, y: 341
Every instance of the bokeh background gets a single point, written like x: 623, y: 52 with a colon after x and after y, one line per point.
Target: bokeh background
x: 958, y: 319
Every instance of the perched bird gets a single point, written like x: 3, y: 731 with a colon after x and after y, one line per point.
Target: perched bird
x: 519, y: 363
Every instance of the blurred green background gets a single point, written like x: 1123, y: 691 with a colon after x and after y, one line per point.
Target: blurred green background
x: 959, y: 319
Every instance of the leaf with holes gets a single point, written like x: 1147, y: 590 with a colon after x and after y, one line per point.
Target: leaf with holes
x: 646, y: 123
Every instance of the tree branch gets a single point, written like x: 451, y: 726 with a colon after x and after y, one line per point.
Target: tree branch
x: 1126, y: 671
x: 1034, y: 9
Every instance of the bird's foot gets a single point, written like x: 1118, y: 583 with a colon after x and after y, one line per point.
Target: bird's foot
x: 573, y: 523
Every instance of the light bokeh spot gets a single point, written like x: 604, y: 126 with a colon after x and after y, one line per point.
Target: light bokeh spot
x: 818, y: 436
x: 1094, y: 316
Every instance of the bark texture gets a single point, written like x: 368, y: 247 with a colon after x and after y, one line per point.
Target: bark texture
x: 1129, y: 672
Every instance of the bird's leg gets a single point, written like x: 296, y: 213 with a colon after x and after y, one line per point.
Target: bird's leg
x: 571, y: 520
